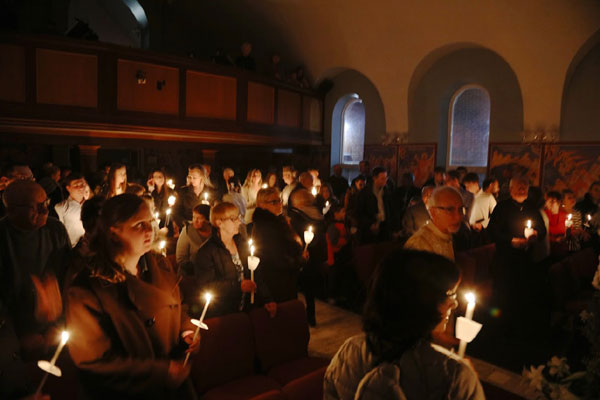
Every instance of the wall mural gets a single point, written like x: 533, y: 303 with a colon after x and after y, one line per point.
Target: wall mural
x: 384, y: 156
x: 418, y: 159
x: 509, y: 159
x: 573, y: 166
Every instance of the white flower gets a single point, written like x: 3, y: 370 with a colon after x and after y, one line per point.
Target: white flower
x: 558, y: 367
x: 596, y: 280
x: 535, y: 376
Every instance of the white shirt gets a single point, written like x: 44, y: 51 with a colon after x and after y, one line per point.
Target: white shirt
x: 483, y: 206
x: 69, y: 213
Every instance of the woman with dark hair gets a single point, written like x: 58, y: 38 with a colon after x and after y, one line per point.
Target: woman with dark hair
x: 326, y: 200
x: 124, y: 311
x: 411, y: 297
x: 159, y: 190
x: 116, y: 183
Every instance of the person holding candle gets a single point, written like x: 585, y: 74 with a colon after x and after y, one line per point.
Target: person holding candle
x: 252, y: 185
x: 578, y: 234
x: 305, y: 216
x: 277, y: 245
x: 221, y: 266
x: 159, y: 190
x: 591, y: 200
x: 558, y: 219
x: 128, y: 332
x: 410, y: 299
x: 116, y: 183
x: 191, y: 195
x: 513, y: 263
x: 326, y: 200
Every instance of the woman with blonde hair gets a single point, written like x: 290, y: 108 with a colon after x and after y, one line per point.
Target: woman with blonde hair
x: 221, y: 266
x: 250, y: 189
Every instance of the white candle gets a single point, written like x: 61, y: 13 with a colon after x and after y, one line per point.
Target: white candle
x: 462, y: 347
x: 569, y: 221
x: 199, y: 324
x: 64, y: 337
x: 168, y: 218
x: 308, y: 237
x: 528, y: 230
x: 253, y: 262
x: 162, y: 246
x: 326, y: 208
x: 205, y: 201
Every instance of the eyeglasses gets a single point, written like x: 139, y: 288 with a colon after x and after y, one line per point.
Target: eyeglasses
x: 41, y: 207
x: 452, y: 210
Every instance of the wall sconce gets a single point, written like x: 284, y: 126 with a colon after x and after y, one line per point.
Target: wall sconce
x: 160, y: 84
x: 140, y: 76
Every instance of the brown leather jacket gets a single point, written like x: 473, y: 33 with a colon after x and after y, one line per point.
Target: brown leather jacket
x: 125, y: 329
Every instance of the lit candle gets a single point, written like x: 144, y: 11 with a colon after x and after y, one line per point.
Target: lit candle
x: 253, y: 262
x: 308, y: 237
x: 171, y: 200
x: 199, y: 323
x: 170, y: 183
x: 462, y: 347
x: 264, y: 186
x: 50, y: 367
x: 569, y: 221
x: 528, y: 229
x: 326, y: 208
x: 162, y: 246
x: 588, y: 218
x: 205, y: 201
x: 314, y: 191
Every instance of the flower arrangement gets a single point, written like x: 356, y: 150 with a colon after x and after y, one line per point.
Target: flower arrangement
x: 554, y: 380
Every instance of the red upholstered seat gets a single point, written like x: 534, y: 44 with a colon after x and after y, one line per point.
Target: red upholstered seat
x: 308, y: 387
x: 251, y: 387
x: 289, y: 371
x: 226, y: 353
x: 283, y: 338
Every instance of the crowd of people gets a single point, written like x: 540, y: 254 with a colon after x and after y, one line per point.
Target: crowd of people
x: 92, y: 258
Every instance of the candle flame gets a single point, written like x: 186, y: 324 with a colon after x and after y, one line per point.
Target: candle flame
x: 569, y: 216
x: 529, y: 224
x: 207, y: 297
x: 156, y: 215
x: 171, y: 200
x: 264, y: 186
x: 162, y: 244
x: 252, y: 250
x: 589, y: 217
x: 250, y: 242
x: 314, y: 191
x: 64, y: 336
x: 310, y: 228
x: 168, y: 211
x: 326, y: 204
x: 470, y: 296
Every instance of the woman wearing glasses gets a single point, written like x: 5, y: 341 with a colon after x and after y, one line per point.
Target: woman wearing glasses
x: 411, y: 298
x: 221, y: 267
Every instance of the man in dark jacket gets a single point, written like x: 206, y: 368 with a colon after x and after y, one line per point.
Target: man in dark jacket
x: 374, y: 211
x: 277, y: 245
x: 589, y: 203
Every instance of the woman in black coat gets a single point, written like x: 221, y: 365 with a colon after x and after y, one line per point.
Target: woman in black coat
x: 221, y: 267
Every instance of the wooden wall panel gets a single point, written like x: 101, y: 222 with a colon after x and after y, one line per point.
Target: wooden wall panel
x: 12, y: 78
x: 261, y: 103
x: 210, y: 96
x: 288, y: 108
x: 312, y: 110
x: 147, y: 97
x: 66, y: 78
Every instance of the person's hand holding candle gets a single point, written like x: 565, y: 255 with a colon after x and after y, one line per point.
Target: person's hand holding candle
x: 193, y: 344
x: 248, y: 286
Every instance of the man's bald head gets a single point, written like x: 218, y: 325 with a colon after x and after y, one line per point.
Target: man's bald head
x: 306, y: 180
x: 301, y: 198
x: 446, y: 208
x: 26, y: 204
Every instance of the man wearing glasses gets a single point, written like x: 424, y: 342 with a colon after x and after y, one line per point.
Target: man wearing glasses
x: 35, y: 250
x: 447, y: 213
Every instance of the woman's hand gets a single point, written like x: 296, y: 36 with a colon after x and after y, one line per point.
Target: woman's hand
x: 177, y: 373
x: 271, y: 309
x: 193, y: 345
x: 248, y: 286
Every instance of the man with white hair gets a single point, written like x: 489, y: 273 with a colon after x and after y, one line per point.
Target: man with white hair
x: 447, y: 213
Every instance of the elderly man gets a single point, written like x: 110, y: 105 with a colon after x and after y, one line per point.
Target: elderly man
x: 69, y: 210
x: 447, y: 213
x: 516, y: 226
x: 35, y: 250
x: 416, y: 215
x: 277, y: 245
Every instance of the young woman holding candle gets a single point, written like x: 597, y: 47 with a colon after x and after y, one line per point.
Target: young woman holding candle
x: 128, y: 332
x: 252, y: 185
x: 116, y: 183
x: 221, y: 266
x: 412, y: 296
x: 159, y: 190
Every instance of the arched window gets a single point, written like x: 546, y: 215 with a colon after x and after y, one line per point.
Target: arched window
x: 353, y: 131
x: 469, y: 126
